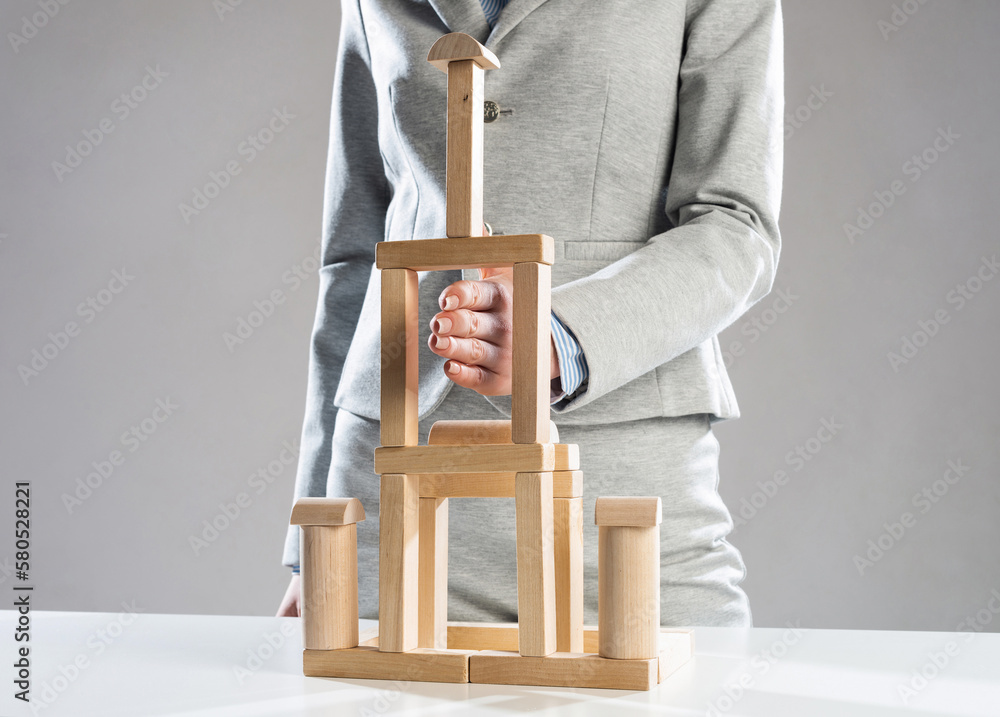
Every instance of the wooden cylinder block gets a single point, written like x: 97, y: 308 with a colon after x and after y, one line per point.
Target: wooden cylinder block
x: 628, y: 579
x: 329, y: 586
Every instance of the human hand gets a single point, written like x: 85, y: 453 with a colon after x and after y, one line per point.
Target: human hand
x: 474, y: 331
x: 291, y: 604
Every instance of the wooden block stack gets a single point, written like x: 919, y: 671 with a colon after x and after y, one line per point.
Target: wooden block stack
x: 520, y: 459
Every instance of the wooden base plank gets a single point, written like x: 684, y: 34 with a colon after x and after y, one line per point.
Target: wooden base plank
x: 482, y: 636
x: 471, y: 640
x: 368, y: 663
x: 676, y: 649
x: 562, y: 669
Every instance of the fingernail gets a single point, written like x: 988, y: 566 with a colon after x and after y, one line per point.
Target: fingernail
x: 441, y: 342
x: 443, y: 326
x: 450, y: 302
x: 452, y: 367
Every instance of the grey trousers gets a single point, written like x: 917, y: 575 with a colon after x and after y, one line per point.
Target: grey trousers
x: 675, y: 458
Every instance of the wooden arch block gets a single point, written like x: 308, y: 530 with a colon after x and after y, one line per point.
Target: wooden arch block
x: 329, y: 568
x: 327, y: 511
x: 460, y: 46
x: 461, y: 433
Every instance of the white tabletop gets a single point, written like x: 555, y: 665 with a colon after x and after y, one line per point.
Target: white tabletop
x: 139, y: 664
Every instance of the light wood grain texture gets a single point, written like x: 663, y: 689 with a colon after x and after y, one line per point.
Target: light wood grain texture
x: 567, y: 457
x: 399, y: 358
x: 398, y: 563
x: 327, y: 511
x: 464, y: 182
x: 536, y: 597
x: 567, y: 520
x: 484, y: 458
x: 562, y: 669
x: 532, y: 353
x: 628, y: 591
x: 464, y: 253
x: 369, y: 663
x: 503, y: 636
x: 462, y: 432
x: 433, y: 574
x: 460, y: 46
x: 565, y: 484
x: 369, y: 636
x: 676, y: 648
x: 482, y: 636
x: 623, y: 511
x: 329, y: 567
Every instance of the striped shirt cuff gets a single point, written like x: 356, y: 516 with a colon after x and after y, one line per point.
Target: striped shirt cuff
x: 572, y: 363
x: 295, y: 570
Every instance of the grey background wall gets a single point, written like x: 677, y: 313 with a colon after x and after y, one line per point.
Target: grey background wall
x: 863, y: 473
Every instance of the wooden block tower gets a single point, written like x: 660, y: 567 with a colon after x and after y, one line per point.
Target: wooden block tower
x: 520, y: 459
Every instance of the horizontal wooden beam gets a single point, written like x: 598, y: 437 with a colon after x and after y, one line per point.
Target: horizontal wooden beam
x: 481, y: 458
x: 565, y: 484
x: 465, y: 252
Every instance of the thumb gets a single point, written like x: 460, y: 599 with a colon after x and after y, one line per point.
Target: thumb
x: 487, y: 272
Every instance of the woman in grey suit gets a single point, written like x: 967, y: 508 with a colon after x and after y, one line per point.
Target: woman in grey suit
x: 645, y: 137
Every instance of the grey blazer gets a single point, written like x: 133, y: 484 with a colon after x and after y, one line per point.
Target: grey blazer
x: 644, y: 136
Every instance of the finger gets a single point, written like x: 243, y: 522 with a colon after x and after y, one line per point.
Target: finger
x: 468, y: 351
x: 476, y: 378
x: 466, y: 323
x: 468, y: 294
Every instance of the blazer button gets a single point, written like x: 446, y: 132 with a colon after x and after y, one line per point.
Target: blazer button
x: 491, y: 110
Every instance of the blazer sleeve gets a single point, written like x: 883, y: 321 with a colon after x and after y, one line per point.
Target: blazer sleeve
x: 687, y: 284
x: 355, y: 202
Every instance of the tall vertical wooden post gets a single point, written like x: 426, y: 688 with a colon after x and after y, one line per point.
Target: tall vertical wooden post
x: 532, y: 353
x: 398, y: 557
x: 464, y: 60
x: 399, y: 392
x: 536, y: 577
x: 465, y: 149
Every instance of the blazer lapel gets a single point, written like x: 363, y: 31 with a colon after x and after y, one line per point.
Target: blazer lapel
x: 463, y: 16
x: 467, y: 16
x: 513, y: 13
